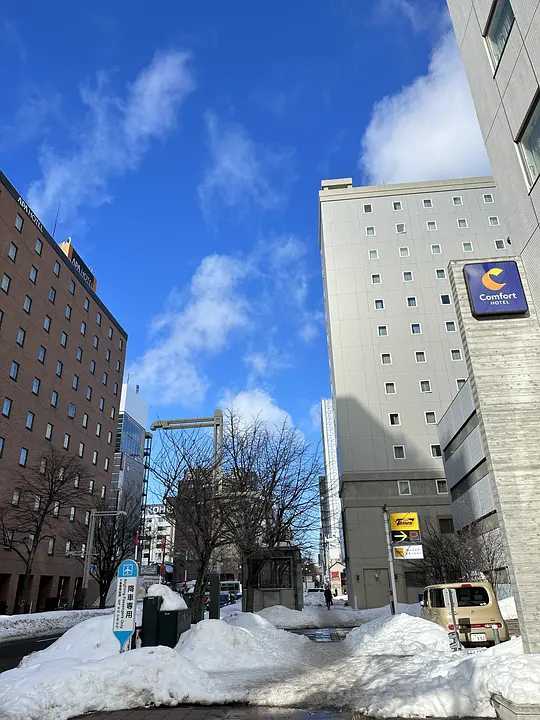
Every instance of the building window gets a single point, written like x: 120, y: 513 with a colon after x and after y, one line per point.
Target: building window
x: 2, y: 444
x: 109, y: 437
x: 106, y: 464
x: 431, y: 418
x: 20, y: 337
x: 425, y: 386
x: 52, y: 295
x: 445, y: 300
x: 494, y: 220
x: 431, y: 225
x: 90, y: 487
x: 456, y: 354
x: 79, y: 354
x: 67, y: 438
x: 32, y: 275
x: 462, y: 223
x: 85, y: 420
x: 83, y: 328
x: 499, y: 244
x: 399, y: 454
x: 5, y: 283
x: 368, y: 207
x: 404, y: 252
x: 404, y: 487
x: 457, y: 201
x: 529, y: 144
x: 420, y: 356
x: 12, y: 252
x: 112, y: 413
x: 49, y: 431
x: 50, y: 546
x: 375, y: 279
x: 6, y: 407
x: 105, y: 377
x: 394, y: 419
x: 59, y: 368
x: 38, y: 246
x: 467, y: 246
x: 110, y: 333
x: 108, y: 355
x: 88, y: 392
x: 400, y: 228
x: 81, y: 449
x: 370, y: 231
x: 87, y: 517
x: 117, y: 366
x: 47, y: 323
x: 390, y: 388
x: 16, y: 497
x: 382, y: 330
x: 56, y: 268
x: 67, y: 312
x: 103, y: 491
x: 416, y: 329
x: 71, y: 287
x: 86, y: 304
x: 436, y: 249
x: 450, y: 326
x: 29, y: 424
x: 75, y: 382
x: 460, y: 382
x: 56, y: 508
x: 41, y: 353
x: 373, y: 254
x: 440, y: 273
x: 19, y: 222
x: 436, y: 451
x: 379, y: 305
x: 98, y: 319
x: 98, y: 429
x: 63, y: 339
x: 36, y: 382
x: 386, y: 359
x: 23, y: 457
x: 411, y: 301
x: 442, y: 487
x: 408, y: 276
x: 92, y: 366
x: 397, y: 205
x: 68, y: 548
x: 54, y: 399
x: 14, y: 370
x: 95, y: 342
x: 488, y: 198
x: 498, y: 30
x: 71, y: 410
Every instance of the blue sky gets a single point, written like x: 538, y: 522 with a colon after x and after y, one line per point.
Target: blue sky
x: 183, y: 146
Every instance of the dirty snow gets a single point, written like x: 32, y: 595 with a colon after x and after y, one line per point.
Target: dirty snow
x: 171, y: 599
x: 390, y: 667
x: 320, y: 617
x: 15, y: 627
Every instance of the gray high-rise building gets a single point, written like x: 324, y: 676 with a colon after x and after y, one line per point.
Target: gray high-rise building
x: 395, y: 352
x: 499, y: 42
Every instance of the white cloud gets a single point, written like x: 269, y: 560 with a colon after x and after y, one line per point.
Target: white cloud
x: 429, y: 129
x: 255, y: 404
x: 421, y: 14
x: 187, y: 331
x: 315, y: 416
x: 116, y: 134
x: 240, y: 169
x: 264, y: 363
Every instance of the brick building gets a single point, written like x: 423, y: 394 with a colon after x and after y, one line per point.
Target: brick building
x: 61, y: 364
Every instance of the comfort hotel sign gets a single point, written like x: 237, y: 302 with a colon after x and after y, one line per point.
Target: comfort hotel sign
x: 495, y: 288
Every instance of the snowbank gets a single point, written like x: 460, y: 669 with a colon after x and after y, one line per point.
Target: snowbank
x: 398, y: 635
x: 508, y: 608
x: 171, y: 599
x: 320, y: 617
x: 13, y: 627
x: 314, y: 599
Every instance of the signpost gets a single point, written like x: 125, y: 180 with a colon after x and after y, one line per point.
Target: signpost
x: 125, y: 606
x: 450, y: 601
x: 408, y: 552
x: 405, y: 536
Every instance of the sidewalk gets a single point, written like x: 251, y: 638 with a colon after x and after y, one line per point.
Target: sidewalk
x: 227, y: 712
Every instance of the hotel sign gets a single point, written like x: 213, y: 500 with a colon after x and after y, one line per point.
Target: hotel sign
x: 82, y: 269
x: 495, y: 288
x: 31, y: 214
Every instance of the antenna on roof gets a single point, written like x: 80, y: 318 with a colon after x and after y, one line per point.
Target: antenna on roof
x: 56, y: 219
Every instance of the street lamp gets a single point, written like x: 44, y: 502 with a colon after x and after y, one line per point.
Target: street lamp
x: 90, y: 544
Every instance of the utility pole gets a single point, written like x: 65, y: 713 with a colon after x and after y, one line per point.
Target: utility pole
x: 90, y: 547
x: 393, y: 601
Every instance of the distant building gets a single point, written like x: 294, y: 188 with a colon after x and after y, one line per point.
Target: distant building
x: 158, y: 539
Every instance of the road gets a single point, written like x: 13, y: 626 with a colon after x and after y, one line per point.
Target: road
x: 217, y: 712
x: 12, y: 652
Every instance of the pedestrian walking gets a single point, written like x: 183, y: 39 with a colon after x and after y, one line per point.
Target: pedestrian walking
x: 328, y: 597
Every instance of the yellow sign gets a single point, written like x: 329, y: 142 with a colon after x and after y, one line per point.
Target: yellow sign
x: 404, y: 521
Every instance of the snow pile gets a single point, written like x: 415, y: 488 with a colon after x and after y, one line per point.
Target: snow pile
x: 508, y: 608
x: 13, y: 627
x: 398, y: 635
x: 171, y: 600
x: 320, y: 617
x: 314, y: 599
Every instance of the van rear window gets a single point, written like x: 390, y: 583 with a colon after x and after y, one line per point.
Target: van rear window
x: 472, y: 596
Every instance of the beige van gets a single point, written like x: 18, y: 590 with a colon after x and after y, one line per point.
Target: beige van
x: 477, y: 613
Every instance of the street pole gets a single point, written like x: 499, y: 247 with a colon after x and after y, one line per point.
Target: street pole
x: 393, y: 602
x: 90, y: 547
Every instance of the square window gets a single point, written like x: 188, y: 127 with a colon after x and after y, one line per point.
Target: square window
x: 436, y: 451
x: 390, y: 388
x: 397, y: 205
x: 386, y: 359
x: 408, y: 276
x: 14, y: 370
x: 428, y: 203
x: 460, y: 382
x: 411, y: 301
x: 498, y: 30
x: 416, y: 329
x: 529, y: 144
x: 379, y: 304
x: 442, y: 487
x: 467, y: 246
x: 36, y: 382
x: 382, y: 330
x: 425, y: 386
x: 71, y: 410
x: 5, y: 283
x: 54, y: 398
x: 457, y: 200
x: 431, y: 418
x: 462, y: 223
x: 420, y: 356
x: 450, y: 326
x: 488, y: 198
x: 27, y: 304
x: 393, y: 419
x: 436, y: 249
x: 41, y: 353
x: 499, y: 244
x: 375, y: 279
x: 19, y: 222
x: 440, y: 274
x: 399, y: 453
x: 373, y: 254
x: 404, y: 486
x: 32, y: 275
x: 493, y: 220
x: 370, y: 231
x: 23, y: 457
x: 400, y: 228
x: 445, y: 300
x: 456, y: 354
x: 431, y: 225
x: 404, y: 252
x: 368, y: 207
x: 12, y: 252
x: 38, y: 247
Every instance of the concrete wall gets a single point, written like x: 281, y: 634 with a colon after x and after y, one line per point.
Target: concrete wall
x: 503, y: 360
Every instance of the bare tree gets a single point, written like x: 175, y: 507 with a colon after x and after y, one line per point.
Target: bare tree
x: 43, y: 497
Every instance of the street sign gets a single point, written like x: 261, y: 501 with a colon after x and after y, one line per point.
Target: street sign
x: 453, y: 639
x: 408, y: 552
x: 125, y: 606
x: 405, y: 536
x: 404, y: 521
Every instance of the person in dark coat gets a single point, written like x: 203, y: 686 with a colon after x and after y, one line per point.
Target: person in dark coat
x: 328, y: 596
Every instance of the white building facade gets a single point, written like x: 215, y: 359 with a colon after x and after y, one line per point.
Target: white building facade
x: 158, y: 540
x: 331, y: 549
